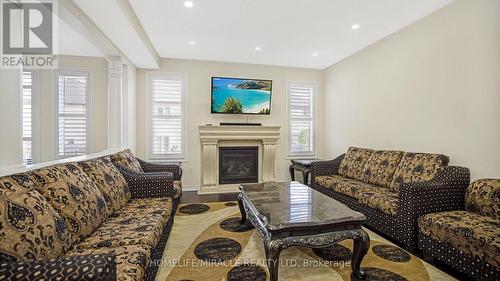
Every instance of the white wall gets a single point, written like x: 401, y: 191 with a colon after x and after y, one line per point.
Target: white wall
x: 199, y: 75
x: 434, y: 86
x: 98, y: 108
x: 10, y: 118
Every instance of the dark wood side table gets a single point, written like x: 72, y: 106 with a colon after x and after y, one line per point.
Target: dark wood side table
x: 302, y: 165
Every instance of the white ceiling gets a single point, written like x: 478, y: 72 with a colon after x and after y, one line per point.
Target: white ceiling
x: 117, y: 21
x: 288, y: 31
x: 71, y: 42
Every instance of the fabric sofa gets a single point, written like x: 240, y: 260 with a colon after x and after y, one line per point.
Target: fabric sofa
x: 392, y: 188
x: 468, y: 239
x: 87, y: 220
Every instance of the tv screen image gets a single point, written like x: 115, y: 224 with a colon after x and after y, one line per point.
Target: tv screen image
x: 241, y: 96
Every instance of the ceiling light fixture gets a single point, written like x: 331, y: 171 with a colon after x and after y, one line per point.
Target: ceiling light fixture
x: 192, y: 43
x: 258, y: 48
x: 315, y: 54
x: 355, y: 26
x: 188, y: 4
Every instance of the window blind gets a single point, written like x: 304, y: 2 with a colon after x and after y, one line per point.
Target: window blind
x: 301, y: 119
x: 167, y: 117
x: 72, y: 113
x: 27, y: 116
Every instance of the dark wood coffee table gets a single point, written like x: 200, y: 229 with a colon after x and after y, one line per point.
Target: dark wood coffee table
x: 292, y: 214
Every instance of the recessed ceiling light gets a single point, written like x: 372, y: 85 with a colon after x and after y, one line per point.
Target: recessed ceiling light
x: 192, y: 43
x: 355, y: 26
x: 315, y: 54
x: 258, y: 48
x: 188, y: 4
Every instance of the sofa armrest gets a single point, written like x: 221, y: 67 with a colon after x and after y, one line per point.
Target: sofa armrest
x: 325, y: 168
x: 97, y: 267
x: 445, y: 192
x: 149, y: 185
x: 174, y: 168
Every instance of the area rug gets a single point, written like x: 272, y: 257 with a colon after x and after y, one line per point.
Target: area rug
x: 208, y: 243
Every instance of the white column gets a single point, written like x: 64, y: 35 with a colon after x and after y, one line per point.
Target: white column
x: 125, y: 107
x: 114, y: 102
x: 209, y: 162
x: 268, y: 161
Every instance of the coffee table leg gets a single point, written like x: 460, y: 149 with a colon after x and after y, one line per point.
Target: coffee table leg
x: 242, y: 209
x: 273, y: 250
x: 361, y: 245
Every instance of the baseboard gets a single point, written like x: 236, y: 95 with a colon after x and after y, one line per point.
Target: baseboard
x: 191, y: 188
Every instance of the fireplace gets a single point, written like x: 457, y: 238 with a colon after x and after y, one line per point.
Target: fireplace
x: 238, y: 164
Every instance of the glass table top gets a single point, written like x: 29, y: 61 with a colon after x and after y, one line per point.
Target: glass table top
x: 285, y: 204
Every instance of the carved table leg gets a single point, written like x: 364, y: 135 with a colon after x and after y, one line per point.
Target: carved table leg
x: 242, y: 209
x: 361, y: 245
x: 273, y: 250
x: 292, y: 172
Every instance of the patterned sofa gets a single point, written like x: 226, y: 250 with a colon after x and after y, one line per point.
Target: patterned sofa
x: 468, y: 240
x: 86, y: 220
x: 392, y: 188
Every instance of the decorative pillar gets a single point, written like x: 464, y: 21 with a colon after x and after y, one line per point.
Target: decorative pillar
x: 209, y: 162
x: 114, y: 102
x: 268, y: 160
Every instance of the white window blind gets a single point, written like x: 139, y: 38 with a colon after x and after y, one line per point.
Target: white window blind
x: 72, y: 113
x: 167, y: 114
x: 301, y: 119
x: 27, y: 98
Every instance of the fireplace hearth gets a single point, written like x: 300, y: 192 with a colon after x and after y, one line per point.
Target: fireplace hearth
x: 238, y: 164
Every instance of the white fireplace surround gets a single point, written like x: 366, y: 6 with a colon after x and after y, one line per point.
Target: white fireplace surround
x: 213, y: 137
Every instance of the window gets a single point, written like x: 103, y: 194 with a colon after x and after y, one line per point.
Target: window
x: 301, y: 119
x: 166, y: 123
x: 72, y: 111
x: 27, y: 98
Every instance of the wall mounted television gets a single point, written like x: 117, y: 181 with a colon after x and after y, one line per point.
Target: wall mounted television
x: 241, y: 96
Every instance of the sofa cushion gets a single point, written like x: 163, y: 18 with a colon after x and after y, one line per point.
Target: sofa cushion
x: 131, y: 261
x: 109, y: 180
x: 417, y: 167
x: 30, y: 229
x: 124, y: 231
x: 147, y: 206
x: 342, y: 184
x: 380, y: 167
x: 139, y: 222
x: 126, y: 159
x: 354, y: 162
x: 378, y: 198
x: 73, y: 194
x: 483, y: 197
x: 468, y: 232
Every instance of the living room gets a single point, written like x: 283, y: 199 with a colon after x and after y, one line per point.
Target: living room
x: 192, y: 140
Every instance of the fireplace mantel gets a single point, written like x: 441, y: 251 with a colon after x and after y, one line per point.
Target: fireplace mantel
x: 211, y: 136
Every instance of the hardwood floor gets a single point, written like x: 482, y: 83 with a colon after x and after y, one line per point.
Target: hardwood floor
x: 193, y: 197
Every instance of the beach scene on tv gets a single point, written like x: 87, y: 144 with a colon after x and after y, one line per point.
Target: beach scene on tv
x: 232, y: 95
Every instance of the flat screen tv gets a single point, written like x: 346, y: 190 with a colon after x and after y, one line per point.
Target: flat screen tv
x: 241, y: 96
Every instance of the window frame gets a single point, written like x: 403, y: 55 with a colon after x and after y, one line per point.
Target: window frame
x: 308, y: 154
x: 35, y: 90
x: 149, y: 105
x: 88, y: 109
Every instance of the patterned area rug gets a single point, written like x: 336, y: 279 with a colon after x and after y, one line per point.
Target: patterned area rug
x: 208, y: 243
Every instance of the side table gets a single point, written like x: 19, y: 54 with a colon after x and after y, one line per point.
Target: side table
x: 302, y: 165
